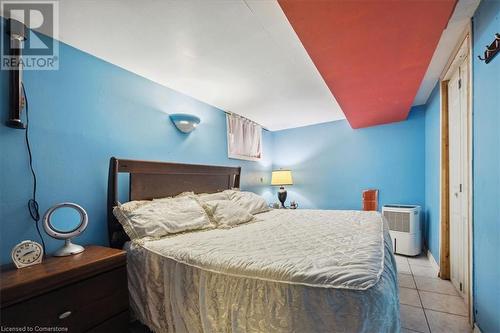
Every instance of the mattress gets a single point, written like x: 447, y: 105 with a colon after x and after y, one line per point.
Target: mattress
x: 289, y: 271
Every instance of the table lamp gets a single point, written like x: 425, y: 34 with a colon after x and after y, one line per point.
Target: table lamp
x: 281, y: 178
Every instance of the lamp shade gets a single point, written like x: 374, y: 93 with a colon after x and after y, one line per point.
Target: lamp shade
x: 185, y: 122
x: 282, y: 177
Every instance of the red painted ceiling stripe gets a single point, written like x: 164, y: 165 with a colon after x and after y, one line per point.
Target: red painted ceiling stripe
x: 372, y: 54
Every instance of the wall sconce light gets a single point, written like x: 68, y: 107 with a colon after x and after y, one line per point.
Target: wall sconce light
x: 185, y: 123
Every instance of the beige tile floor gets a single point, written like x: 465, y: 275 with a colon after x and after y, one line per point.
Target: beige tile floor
x: 428, y: 304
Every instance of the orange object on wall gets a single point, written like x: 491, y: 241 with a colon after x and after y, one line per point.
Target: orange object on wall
x: 370, y: 200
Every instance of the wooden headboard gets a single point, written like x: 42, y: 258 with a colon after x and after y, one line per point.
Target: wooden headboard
x: 150, y: 180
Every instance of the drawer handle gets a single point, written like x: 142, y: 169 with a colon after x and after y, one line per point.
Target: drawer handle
x: 65, y: 315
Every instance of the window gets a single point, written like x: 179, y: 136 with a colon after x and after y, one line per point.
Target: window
x: 244, y: 138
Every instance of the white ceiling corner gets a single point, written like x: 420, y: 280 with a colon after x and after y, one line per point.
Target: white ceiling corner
x: 447, y: 44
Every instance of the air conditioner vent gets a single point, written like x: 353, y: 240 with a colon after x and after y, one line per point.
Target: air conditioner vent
x: 398, y: 221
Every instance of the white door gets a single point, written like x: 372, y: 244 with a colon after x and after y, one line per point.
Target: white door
x: 458, y: 142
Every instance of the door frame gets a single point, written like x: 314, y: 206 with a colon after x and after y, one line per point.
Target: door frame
x: 464, y: 45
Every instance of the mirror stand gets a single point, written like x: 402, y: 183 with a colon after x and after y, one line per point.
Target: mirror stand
x: 52, y: 230
x: 68, y: 249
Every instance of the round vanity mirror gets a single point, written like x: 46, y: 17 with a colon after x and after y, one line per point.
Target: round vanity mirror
x: 65, y: 221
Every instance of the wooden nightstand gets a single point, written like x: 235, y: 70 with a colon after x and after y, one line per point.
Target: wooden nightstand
x: 86, y: 292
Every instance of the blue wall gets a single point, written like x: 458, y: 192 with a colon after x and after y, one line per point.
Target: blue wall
x: 486, y: 223
x: 332, y: 163
x: 81, y: 115
x: 432, y: 171
x: 486, y: 170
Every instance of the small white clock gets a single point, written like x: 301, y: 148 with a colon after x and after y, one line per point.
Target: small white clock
x: 27, y: 253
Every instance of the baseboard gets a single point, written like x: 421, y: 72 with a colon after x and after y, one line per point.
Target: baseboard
x: 476, y: 329
x: 432, y: 260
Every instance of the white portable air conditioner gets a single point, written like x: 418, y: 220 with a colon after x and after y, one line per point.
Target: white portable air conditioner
x: 404, y: 227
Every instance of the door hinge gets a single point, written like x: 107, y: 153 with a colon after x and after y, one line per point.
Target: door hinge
x: 459, y: 83
x: 461, y: 286
x: 460, y: 188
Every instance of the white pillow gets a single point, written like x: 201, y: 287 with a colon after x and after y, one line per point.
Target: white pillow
x: 231, y: 193
x: 226, y: 213
x: 159, y: 218
x: 205, y: 197
x: 252, y: 202
x: 183, y: 194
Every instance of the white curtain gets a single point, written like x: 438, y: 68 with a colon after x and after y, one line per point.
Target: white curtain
x: 244, y: 138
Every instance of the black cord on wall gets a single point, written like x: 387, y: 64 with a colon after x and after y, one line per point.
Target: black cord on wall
x: 33, y: 207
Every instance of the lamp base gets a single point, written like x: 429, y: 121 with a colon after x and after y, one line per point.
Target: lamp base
x: 282, y: 196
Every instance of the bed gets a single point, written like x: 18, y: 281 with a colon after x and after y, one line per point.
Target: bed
x: 286, y: 271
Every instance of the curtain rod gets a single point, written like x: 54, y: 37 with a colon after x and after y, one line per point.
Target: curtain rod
x: 238, y: 115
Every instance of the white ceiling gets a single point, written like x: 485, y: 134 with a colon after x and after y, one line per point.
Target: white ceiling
x: 241, y: 56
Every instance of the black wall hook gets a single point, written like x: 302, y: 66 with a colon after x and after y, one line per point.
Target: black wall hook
x: 491, y: 50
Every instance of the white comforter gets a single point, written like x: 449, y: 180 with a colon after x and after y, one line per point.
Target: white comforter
x: 290, y: 271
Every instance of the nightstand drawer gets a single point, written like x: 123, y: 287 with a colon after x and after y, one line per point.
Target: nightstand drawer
x: 79, y: 306
x: 117, y: 324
